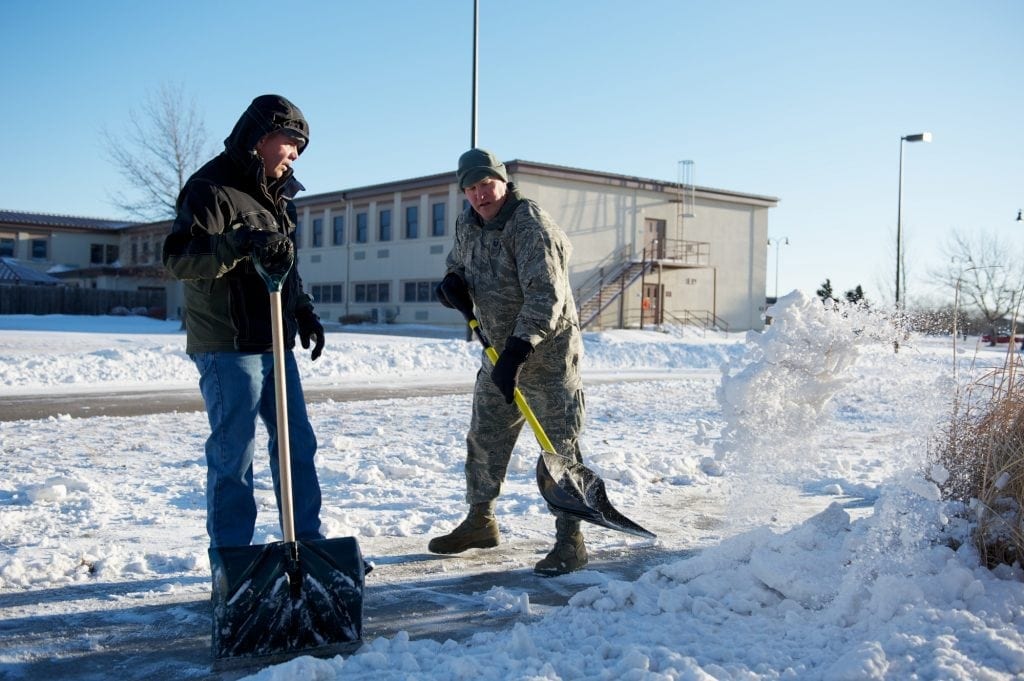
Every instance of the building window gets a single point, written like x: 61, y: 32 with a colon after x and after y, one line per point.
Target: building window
x: 412, y: 222
x: 372, y: 292
x: 6, y: 248
x: 318, y: 232
x: 339, y: 230
x: 328, y: 293
x: 384, y: 225
x: 419, y: 291
x: 113, y: 253
x: 39, y: 249
x: 437, y: 220
x: 100, y: 254
x: 362, y: 228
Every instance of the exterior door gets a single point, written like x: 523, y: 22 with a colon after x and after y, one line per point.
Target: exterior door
x: 654, y: 238
x: 650, y: 305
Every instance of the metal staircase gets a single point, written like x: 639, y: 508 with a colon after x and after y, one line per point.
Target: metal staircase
x: 604, y: 288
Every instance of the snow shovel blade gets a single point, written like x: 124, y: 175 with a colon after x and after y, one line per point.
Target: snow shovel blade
x: 286, y: 597
x: 580, y: 493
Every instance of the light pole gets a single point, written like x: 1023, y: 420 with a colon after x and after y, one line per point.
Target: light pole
x: 778, y: 248
x: 476, y: 62
x: 920, y: 137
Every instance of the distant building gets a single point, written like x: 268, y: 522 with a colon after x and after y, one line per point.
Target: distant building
x: 644, y: 251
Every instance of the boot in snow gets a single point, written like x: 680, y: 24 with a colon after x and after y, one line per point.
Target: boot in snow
x: 569, y: 553
x: 478, y: 531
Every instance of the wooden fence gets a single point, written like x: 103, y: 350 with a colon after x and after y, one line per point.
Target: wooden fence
x: 72, y: 300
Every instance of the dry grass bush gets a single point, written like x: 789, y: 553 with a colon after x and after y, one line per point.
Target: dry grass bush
x: 982, y: 451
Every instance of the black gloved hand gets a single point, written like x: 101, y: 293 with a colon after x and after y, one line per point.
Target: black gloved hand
x: 310, y: 329
x: 272, y: 249
x: 452, y: 292
x: 276, y: 254
x: 509, y: 365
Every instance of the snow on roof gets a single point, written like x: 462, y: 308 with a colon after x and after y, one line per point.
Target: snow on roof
x: 13, y: 272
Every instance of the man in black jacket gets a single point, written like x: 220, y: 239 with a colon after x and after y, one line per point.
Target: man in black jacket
x: 237, y: 208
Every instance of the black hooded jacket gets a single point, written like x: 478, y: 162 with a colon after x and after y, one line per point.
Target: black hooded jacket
x: 227, y: 303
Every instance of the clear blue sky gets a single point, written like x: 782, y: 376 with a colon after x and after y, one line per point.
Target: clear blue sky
x: 805, y: 101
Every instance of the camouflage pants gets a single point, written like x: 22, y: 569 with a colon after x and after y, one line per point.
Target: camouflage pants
x: 556, y: 398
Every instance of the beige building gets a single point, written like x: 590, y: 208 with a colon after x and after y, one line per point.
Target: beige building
x: 645, y: 251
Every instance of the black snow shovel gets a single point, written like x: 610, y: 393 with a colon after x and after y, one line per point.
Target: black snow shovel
x: 568, y: 488
x: 292, y: 596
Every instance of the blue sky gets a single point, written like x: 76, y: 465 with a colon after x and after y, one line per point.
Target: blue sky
x: 804, y: 101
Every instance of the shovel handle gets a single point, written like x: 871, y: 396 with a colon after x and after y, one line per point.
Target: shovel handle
x: 524, y: 407
x: 281, y: 402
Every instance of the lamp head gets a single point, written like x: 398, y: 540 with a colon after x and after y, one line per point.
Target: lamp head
x: 920, y: 137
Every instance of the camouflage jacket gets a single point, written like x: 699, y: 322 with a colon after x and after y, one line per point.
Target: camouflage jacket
x: 517, y: 269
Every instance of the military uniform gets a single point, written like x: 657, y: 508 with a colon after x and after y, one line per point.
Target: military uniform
x: 516, y: 269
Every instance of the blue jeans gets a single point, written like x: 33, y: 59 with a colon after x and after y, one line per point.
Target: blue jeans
x: 237, y: 387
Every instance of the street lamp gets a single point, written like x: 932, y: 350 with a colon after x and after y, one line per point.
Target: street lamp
x: 920, y: 137
x: 778, y: 247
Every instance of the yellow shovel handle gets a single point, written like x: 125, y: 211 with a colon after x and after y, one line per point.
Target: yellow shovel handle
x: 524, y: 408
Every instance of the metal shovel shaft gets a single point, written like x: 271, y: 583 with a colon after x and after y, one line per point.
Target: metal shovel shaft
x: 281, y: 402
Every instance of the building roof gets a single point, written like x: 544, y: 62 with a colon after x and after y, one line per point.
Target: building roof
x: 544, y: 169
x: 11, y: 217
x: 13, y: 272
x: 27, y: 219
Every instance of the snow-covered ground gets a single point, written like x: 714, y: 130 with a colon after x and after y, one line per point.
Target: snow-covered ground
x: 791, y: 460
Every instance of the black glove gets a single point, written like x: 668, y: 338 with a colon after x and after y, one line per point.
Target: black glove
x: 310, y: 329
x: 277, y: 255
x: 273, y: 250
x: 509, y: 365
x: 452, y: 292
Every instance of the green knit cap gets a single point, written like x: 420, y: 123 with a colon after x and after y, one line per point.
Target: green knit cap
x: 476, y: 164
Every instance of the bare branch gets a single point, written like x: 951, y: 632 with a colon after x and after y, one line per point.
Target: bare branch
x: 156, y: 151
x: 983, y: 267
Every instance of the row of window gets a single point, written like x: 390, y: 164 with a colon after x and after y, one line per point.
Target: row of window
x: 375, y: 292
x: 38, y: 248
x: 410, y: 227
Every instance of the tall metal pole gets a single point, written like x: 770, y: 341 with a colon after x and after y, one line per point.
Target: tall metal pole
x: 779, y: 243
x: 899, y: 226
x: 778, y: 250
x: 472, y: 134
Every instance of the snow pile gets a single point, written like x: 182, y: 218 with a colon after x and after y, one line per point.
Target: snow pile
x: 152, y: 355
x: 812, y: 603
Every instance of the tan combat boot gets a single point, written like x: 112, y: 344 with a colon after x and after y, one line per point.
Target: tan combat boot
x: 478, y: 531
x: 569, y: 554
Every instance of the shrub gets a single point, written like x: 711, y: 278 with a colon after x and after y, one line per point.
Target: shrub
x: 982, y: 451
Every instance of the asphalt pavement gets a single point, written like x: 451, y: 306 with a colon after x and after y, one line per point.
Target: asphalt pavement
x: 142, y: 402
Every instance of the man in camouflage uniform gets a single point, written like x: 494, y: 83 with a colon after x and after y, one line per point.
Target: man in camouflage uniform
x: 513, y: 260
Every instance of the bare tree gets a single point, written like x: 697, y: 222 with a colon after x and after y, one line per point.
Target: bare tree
x: 984, y: 274
x: 156, y: 152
